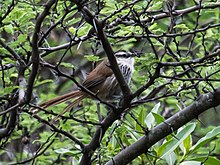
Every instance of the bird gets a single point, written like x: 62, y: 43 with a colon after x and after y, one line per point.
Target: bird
x: 101, y: 81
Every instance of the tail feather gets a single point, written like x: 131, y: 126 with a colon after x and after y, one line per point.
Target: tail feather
x: 61, y: 99
x: 75, y: 102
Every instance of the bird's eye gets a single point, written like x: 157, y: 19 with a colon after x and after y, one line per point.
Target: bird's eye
x: 120, y: 55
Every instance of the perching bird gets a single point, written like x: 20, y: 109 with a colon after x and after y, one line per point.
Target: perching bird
x: 100, y: 81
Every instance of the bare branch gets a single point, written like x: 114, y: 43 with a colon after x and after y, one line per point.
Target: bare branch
x: 35, y: 49
x: 12, y: 52
x: 195, y: 61
x: 98, y: 26
x: 77, y: 141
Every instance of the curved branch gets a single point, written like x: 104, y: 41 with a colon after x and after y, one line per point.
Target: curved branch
x: 15, y: 103
x: 64, y: 46
x: 4, y: 132
x: 203, y: 29
x: 166, y: 15
x: 12, y: 52
x: 10, y: 8
x: 194, y: 61
x: 108, y: 121
x: 35, y: 50
x: 77, y: 141
x: 112, y: 60
x: 181, y: 12
x: 98, y: 26
x: 97, y: 137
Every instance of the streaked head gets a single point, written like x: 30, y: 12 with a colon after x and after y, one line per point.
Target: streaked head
x: 125, y: 54
x: 125, y: 57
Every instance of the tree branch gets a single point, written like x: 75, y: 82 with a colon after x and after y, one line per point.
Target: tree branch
x: 10, y: 8
x: 107, y: 122
x: 166, y: 15
x: 203, y: 103
x: 181, y: 12
x: 12, y: 52
x: 98, y: 26
x: 64, y: 46
x: 35, y: 50
x: 55, y: 129
x: 15, y: 102
x: 194, y: 61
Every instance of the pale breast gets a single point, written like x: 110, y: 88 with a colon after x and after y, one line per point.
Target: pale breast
x: 110, y: 86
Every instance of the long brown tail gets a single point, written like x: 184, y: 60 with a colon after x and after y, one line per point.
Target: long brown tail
x: 71, y: 105
x: 61, y: 99
x: 78, y: 95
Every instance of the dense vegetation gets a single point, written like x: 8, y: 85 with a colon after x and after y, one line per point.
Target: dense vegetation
x: 169, y: 115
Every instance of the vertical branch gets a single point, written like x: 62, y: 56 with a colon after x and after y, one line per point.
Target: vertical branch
x: 98, y: 26
x: 35, y: 51
x: 112, y: 60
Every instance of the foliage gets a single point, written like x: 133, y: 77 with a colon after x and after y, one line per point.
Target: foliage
x: 176, y: 61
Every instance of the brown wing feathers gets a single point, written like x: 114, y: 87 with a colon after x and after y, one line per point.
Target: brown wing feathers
x: 98, y: 75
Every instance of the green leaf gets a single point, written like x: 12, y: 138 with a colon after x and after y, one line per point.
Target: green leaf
x: 62, y: 151
x: 207, y: 138
x: 171, y: 158
x: 84, y: 30
x: 13, y: 75
x: 178, y: 139
x: 182, y: 27
x: 43, y: 82
x: 73, y: 21
x: 72, y: 30
x: 140, y: 120
x: 162, y: 148
x: 187, y: 143
x: 8, y: 90
x: 207, y: 160
x: 9, y: 29
x: 65, y: 125
x: 22, y: 38
x: 44, y: 136
x: 159, y: 119
x: 153, y: 26
x: 156, y: 6
x: 92, y: 58
x: 190, y: 163
x: 150, y: 120
x: 209, y: 33
x: 67, y: 65
x: 156, y: 29
x: 27, y: 47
